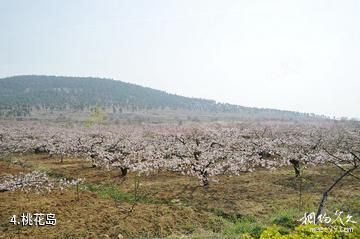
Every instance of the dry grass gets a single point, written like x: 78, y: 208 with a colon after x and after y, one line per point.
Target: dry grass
x: 169, y: 204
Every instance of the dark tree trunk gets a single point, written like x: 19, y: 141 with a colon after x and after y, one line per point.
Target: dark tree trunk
x: 124, y: 171
x: 205, y: 179
x: 296, y: 164
x: 326, y: 193
x: 205, y: 182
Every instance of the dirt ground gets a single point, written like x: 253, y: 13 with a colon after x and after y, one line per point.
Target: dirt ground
x: 166, y: 204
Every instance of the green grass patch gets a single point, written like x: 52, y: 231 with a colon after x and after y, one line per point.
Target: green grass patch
x: 107, y: 191
x: 245, y: 225
x: 285, y: 219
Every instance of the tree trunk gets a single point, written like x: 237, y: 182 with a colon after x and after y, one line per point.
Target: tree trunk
x: 124, y: 171
x: 326, y: 193
x: 205, y: 182
x: 296, y: 164
x: 321, y: 206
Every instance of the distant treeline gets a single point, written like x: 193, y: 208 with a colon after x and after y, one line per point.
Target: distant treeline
x: 22, y: 95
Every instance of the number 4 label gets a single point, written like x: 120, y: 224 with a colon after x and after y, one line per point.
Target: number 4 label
x: 13, y: 220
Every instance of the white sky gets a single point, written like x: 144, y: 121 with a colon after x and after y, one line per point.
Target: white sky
x: 293, y: 55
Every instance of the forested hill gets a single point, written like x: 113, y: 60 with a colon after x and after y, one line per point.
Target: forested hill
x: 81, y: 92
x: 21, y: 95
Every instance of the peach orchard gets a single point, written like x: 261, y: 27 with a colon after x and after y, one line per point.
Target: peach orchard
x: 199, y: 150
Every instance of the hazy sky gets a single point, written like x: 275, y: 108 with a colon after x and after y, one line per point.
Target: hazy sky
x: 294, y: 55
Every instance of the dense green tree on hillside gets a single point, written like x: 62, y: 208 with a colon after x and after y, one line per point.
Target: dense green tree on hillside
x: 19, y: 94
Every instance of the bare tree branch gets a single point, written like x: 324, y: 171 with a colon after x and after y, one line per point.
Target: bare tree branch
x: 326, y: 193
x: 345, y: 170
